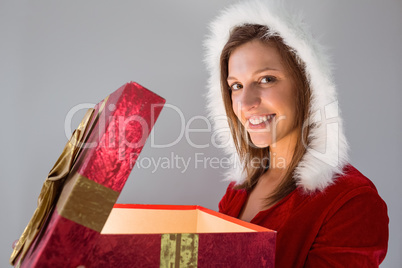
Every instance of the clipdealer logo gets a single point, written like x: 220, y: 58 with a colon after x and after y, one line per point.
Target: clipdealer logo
x: 325, y: 149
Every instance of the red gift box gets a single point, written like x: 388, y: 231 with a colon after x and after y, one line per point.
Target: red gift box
x: 86, y: 229
x: 180, y: 236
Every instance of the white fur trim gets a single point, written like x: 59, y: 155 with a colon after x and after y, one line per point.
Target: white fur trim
x: 328, y: 151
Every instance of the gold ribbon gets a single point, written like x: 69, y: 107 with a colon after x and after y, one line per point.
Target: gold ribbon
x: 179, y: 250
x: 54, y: 184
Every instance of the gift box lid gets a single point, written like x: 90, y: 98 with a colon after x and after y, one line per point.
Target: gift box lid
x: 91, y: 172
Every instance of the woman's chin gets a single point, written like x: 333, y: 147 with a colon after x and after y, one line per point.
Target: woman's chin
x: 260, y: 144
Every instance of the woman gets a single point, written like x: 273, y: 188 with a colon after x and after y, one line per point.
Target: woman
x: 272, y: 82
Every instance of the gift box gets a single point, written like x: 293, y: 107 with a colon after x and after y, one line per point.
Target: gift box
x: 180, y: 236
x: 78, y: 224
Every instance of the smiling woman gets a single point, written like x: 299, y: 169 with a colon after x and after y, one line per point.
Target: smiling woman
x: 269, y: 94
x: 276, y: 90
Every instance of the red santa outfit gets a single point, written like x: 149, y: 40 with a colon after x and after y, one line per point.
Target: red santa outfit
x: 335, y: 216
x: 344, y: 225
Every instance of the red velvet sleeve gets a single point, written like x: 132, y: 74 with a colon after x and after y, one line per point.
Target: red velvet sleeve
x: 354, y: 233
x: 232, y: 202
x: 223, y: 204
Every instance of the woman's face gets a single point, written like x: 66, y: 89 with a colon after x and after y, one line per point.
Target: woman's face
x: 263, y: 94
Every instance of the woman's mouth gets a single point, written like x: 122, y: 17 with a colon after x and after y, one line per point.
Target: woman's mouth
x: 259, y: 122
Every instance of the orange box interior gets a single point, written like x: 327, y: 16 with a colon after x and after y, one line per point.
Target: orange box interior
x: 151, y: 219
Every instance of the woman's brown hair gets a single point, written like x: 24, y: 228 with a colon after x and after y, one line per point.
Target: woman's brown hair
x: 246, y: 150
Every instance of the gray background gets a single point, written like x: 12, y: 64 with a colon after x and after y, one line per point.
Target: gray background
x: 55, y: 55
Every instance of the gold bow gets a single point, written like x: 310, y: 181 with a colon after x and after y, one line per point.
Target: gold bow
x: 52, y: 187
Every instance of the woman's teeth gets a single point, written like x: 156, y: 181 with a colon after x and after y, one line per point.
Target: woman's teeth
x: 256, y: 120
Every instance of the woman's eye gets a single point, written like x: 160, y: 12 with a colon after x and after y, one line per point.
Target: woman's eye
x: 267, y: 79
x: 236, y: 86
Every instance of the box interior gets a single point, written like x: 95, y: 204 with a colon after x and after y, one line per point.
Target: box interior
x: 151, y: 221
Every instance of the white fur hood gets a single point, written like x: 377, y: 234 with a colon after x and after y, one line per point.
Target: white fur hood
x: 327, y: 153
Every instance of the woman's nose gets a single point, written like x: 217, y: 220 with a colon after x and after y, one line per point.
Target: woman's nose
x: 250, y: 99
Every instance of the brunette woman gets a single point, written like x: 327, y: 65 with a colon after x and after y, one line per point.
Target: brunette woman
x: 275, y: 110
